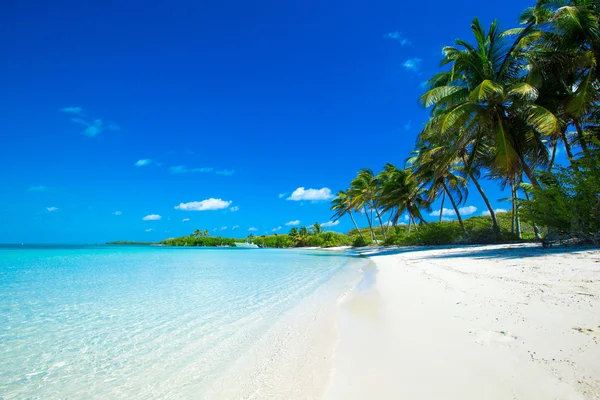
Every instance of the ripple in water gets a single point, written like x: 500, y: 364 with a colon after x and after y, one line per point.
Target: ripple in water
x: 138, y: 323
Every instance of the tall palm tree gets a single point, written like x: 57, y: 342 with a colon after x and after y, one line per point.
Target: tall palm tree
x: 566, y: 57
x: 341, y: 205
x: 364, y: 191
x: 436, y: 168
x: 486, y: 102
x: 197, y: 233
x: 401, y: 193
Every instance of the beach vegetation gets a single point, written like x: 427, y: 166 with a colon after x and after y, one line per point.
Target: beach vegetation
x: 500, y: 107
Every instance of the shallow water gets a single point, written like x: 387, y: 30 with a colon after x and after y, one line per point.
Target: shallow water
x: 148, y: 322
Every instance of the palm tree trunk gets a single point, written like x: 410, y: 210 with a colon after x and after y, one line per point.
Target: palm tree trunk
x: 380, y: 222
x: 581, y: 137
x: 356, y: 226
x: 553, y: 157
x: 535, y: 228
x: 512, y: 211
x: 414, y: 223
x: 370, y: 224
x: 568, y: 149
x: 387, y: 228
x: 442, y: 206
x: 487, y: 203
x: 460, y: 221
x: 517, y: 219
x: 529, y: 173
x: 409, y: 222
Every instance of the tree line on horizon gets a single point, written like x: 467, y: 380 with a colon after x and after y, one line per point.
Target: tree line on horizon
x: 499, y: 108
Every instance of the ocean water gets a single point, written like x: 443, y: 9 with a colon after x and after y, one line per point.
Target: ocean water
x: 172, y: 323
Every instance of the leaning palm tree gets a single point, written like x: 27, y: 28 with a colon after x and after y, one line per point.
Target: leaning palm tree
x: 435, y: 168
x: 342, y: 205
x: 401, y: 193
x: 565, y: 59
x: 364, y: 191
x: 486, y: 103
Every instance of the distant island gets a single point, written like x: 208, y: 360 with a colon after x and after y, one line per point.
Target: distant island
x: 130, y: 242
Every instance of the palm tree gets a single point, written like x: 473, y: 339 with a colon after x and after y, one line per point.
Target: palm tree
x: 342, y: 205
x: 400, y: 192
x: 316, y: 229
x: 364, y: 191
x: 196, y: 233
x: 565, y: 59
x: 486, y: 103
x: 437, y: 168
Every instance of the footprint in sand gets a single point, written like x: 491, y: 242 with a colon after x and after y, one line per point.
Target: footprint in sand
x: 487, y: 338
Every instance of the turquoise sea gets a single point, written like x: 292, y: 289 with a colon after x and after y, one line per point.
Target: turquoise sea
x: 102, y: 322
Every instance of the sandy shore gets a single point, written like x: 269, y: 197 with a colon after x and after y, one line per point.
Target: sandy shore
x: 491, y: 322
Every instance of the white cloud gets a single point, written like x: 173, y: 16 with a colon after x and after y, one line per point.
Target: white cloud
x: 311, y: 194
x: 182, y: 169
x: 412, y: 64
x: 185, y: 220
x: 225, y: 172
x: 449, y: 212
x: 468, y: 210
x: 276, y: 229
x: 235, y: 227
x: 223, y: 228
x: 51, y: 209
x: 406, y: 217
x: 204, y: 205
x: 252, y: 229
x: 497, y: 210
x: 117, y: 213
x: 72, y: 110
x: 95, y: 127
x: 152, y: 217
x: 143, y: 162
x: 234, y: 209
x: 39, y: 188
x: 149, y: 230
x: 282, y: 195
x: 397, y: 36
x: 293, y: 223
x: 330, y: 223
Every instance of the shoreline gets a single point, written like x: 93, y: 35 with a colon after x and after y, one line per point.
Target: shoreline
x: 472, y: 322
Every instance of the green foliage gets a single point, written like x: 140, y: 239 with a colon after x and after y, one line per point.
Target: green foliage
x: 478, y: 230
x: 129, y: 242
x: 568, y: 203
x: 204, y: 241
x: 359, y: 241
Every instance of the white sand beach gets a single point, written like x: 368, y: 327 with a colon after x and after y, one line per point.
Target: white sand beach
x: 482, y: 322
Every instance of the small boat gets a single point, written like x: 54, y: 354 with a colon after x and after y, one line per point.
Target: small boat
x: 246, y: 245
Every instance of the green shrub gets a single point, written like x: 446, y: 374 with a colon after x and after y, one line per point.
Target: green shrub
x: 568, y: 202
x: 360, y: 242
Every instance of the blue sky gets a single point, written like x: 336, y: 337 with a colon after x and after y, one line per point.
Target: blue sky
x: 209, y: 115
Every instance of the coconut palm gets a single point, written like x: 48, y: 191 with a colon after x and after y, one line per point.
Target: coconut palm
x: 197, y: 233
x: 486, y: 103
x: 316, y: 229
x: 342, y: 205
x: 401, y: 193
x: 364, y: 190
x: 565, y: 59
x: 435, y: 168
